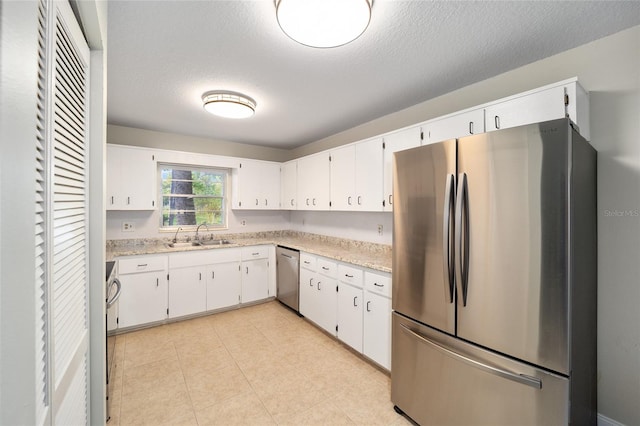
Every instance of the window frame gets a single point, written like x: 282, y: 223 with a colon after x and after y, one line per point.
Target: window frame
x: 202, y: 168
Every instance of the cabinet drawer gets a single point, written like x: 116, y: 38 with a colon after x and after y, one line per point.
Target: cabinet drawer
x: 255, y: 252
x: 203, y: 257
x: 308, y: 261
x: 133, y: 265
x: 328, y: 268
x: 378, y: 283
x: 350, y: 275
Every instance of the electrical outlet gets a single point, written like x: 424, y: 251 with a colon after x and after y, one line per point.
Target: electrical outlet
x: 244, y: 223
x: 128, y: 227
x: 379, y: 229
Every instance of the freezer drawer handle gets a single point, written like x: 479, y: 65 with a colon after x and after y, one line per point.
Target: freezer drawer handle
x: 534, y: 382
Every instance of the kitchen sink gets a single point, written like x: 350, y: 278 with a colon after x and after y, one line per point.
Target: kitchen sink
x: 214, y: 243
x: 183, y: 245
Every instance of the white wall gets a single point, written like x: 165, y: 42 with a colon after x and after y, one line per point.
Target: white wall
x: 350, y: 225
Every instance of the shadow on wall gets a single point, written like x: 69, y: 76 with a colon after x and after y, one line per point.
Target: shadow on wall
x: 615, y: 132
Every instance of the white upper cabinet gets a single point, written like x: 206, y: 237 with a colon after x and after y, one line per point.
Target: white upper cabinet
x: 356, y: 176
x: 256, y: 185
x: 454, y: 126
x: 131, y: 178
x: 314, y: 182
x: 566, y: 100
x: 289, y: 185
x: 398, y: 141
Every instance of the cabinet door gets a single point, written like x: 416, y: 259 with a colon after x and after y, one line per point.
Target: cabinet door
x: 131, y: 178
x: 255, y: 280
x: 138, y: 179
x: 187, y: 291
x: 289, y: 185
x: 350, y: 302
x: 223, y: 285
x: 143, y: 299
x: 533, y: 108
x: 455, y: 126
x: 256, y: 185
x: 308, y: 297
x: 368, y: 175
x: 405, y: 139
x: 377, y: 329
x: 343, y: 180
x: 327, y: 303
x: 314, y: 177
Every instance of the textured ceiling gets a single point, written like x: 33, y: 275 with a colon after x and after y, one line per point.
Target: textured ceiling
x: 163, y: 55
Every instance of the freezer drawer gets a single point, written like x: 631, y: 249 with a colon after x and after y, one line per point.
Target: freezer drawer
x: 439, y: 380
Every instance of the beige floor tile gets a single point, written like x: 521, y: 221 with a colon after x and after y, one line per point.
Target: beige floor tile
x: 148, y: 377
x: 245, y: 409
x: 325, y: 413
x: 194, y: 364
x: 161, y: 405
x: 211, y: 387
x: 368, y: 407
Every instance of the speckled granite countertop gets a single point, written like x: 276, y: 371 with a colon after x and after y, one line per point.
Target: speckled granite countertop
x: 369, y: 255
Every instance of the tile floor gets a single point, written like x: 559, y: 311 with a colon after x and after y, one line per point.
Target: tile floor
x: 259, y: 365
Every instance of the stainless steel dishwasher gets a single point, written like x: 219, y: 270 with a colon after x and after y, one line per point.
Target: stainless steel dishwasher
x: 288, y: 266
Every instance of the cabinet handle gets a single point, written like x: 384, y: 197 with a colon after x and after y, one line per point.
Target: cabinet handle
x: 359, y: 200
x: 247, y: 269
x: 213, y: 274
x: 200, y: 276
x: 310, y: 282
x: 292, y: 201
x: 307, y: 201
x: 368, y: 310
x: 378, y: 285
x: 496, y: 121
x: 354, y: 301
x: 325, y: 268
x: 390, y: 199
x: 254, y: 254
x: 319, y: 282
x: 128, y: 200
x: 142, y: 265
x: 314, y: 201
x: 265, y: 202
x: 112, y: 200
x: 348, y: 276
x: 157, y: 282
x: 471, y: 127
x: 307, y: 262
x: 256, y: 201
x: 349, y: 200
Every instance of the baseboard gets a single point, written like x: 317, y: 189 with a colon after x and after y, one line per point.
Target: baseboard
x: 606, y: 421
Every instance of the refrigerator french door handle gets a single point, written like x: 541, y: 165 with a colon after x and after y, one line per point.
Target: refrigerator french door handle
x: 534, y: 382
x: 447, y: 253
x: 462, y: 237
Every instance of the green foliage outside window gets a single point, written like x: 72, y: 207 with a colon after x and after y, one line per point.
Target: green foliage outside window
x: 192, y: 196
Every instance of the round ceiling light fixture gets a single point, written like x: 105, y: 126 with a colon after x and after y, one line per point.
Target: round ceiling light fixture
x: 229, y: 104
x: 323, y: 23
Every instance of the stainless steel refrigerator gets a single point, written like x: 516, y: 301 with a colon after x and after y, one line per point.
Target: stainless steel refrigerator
x: 494, y: 279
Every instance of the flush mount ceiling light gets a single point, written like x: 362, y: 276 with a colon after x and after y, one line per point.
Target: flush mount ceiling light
x: 229, y: 104
x: 323, y: 23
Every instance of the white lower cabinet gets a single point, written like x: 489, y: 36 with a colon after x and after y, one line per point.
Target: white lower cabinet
x: 377, y: 318
x: 318, y: 296
x: 255, y: 273
x: 350, y: 302
x: 187, y: 291
x: 223, y: 285
x: 144, y: 290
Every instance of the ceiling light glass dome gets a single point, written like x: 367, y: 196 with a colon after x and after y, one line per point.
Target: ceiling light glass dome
x: 229, y: 104
x: 323, y: 23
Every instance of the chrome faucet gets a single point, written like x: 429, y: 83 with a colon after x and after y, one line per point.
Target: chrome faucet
x: 175, y: 237
x: 198, y: 228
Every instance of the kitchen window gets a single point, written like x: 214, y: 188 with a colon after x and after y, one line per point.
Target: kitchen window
x: 191, y: 196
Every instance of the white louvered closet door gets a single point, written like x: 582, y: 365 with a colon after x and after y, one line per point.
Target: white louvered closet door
x: 61, y: 217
